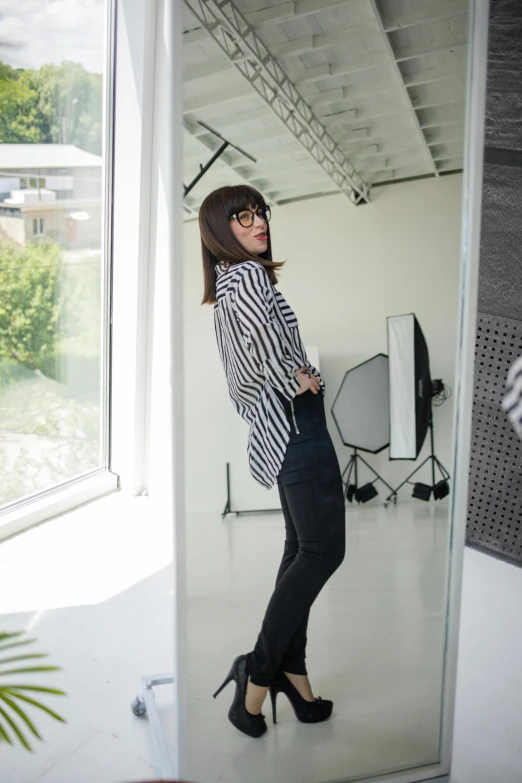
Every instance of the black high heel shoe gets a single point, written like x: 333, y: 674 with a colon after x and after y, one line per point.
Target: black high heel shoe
x: 238, y: 715
x: 306, y: 711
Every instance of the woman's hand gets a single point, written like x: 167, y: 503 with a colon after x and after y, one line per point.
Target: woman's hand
x: 307, y: 381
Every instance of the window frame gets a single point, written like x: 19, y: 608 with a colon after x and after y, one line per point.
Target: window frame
x: 18, y: 516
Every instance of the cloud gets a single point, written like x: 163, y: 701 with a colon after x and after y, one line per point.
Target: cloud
x: 50, y: 31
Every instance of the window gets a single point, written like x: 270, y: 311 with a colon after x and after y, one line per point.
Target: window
x: 38, y: 226
x: 53, y: 277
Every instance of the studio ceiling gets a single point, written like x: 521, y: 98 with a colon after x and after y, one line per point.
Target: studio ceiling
x: 327, y: 95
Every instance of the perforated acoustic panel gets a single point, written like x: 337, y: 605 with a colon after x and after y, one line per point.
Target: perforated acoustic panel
x: 495, y: 493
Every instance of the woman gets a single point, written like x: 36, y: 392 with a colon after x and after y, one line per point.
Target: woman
x: 280, y: 395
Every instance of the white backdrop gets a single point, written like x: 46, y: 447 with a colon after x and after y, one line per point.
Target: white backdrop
x: 347, y: 269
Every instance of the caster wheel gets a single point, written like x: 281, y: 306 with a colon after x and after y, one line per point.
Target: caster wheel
x: 138, y: 706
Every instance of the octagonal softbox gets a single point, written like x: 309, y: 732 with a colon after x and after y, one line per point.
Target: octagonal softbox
x: 361, y: 409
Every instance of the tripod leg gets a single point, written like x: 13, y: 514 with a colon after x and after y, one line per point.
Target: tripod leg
x: 412, y: 474
x: 443, y: 472
x: 380, y: 478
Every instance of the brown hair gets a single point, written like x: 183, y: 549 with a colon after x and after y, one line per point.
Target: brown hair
x: 218, y: 242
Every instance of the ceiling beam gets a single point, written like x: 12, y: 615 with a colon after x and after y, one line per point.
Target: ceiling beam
x: 451, y: 138
x: 430, y: 13
x: 380, y: 150
x: 451, y: 99
x: 286, y: 11
x: 320, y: 187
x: 203, y: 71
x: 442, y: 123
x: 352, y: 65
x: 232, y: 119
x: 277, y: 132
x: 357, y: 91
x: 238, y: 41
x: 374, y: 138
x: 406, y: 98
x: 430, y: 75
x: 429, y: 47
x: 359, y: 116
x: 272, y: 153
x: 196, y: 35
x: 394, y: 175
x: 314, y: 43
x: 216, y: 97
x: 451, y: 164
x: 266, y: 169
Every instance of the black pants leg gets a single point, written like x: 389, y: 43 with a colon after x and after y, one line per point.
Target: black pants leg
x: 294, y: 658
x: 317, y: 512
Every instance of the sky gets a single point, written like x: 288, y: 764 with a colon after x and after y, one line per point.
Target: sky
x: 35, y: 32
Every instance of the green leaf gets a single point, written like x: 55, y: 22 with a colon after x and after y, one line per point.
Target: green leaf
x: 15, y: 728
x: 4, y: 647
x: 38, y: 688
x: 30, y: 669
x: 4, y: 736
x: 36, y: 704
x: 20, y: 713
x: 22, y: 658
x: 10, y: 635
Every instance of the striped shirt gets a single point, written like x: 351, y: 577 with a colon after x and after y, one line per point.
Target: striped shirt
x: 260, y: 349
x: 512, y: 402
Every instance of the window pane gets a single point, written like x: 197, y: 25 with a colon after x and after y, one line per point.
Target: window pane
x: 52, y: 260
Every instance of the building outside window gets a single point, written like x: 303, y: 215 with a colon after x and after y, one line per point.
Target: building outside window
x: 53, y: 261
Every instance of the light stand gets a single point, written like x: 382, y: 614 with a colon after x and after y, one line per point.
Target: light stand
x: 424, y: 491
x: 367, y: 491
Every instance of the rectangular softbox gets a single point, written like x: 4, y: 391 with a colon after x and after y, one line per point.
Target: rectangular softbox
x: 410, y: 386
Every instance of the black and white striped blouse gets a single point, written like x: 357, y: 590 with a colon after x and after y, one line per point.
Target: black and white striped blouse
x: 260, y: 348
x: 512, y: 402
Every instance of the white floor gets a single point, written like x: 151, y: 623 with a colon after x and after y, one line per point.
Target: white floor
x: 375, y: 646
x: 94, y: 587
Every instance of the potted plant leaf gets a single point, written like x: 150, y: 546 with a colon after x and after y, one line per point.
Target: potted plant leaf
x: 15, y: 696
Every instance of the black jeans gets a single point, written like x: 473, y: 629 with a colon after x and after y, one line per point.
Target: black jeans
x: 312, y: 499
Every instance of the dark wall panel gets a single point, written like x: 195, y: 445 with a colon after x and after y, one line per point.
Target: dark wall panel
x: 495, y: 498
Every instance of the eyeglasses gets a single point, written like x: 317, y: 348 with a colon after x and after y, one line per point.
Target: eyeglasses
x: 245, y: 218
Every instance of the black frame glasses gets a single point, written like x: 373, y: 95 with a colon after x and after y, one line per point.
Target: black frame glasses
x: 263, y: 212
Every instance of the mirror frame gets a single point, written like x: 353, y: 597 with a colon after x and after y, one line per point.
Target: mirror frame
x: 151, y: 55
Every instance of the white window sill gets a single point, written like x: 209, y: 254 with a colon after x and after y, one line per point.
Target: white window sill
x: 57, y: 502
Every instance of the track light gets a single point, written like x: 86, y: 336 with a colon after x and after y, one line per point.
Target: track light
x: 421, y: 491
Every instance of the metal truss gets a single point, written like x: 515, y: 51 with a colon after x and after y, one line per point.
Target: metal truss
x: 243, y: 47
x: 407, y: 101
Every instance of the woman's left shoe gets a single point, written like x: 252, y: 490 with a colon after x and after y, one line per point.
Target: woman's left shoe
x: 315, y: 711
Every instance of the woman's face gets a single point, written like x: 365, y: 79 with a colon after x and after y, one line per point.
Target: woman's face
x: 255, y: 238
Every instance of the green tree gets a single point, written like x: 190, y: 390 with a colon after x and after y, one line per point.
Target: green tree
x: 21, y: 118
x: 55, y: 104
x: 30, y: 305
x: 71, y: 99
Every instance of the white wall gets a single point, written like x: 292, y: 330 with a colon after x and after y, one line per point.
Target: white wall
x: 347, y: 269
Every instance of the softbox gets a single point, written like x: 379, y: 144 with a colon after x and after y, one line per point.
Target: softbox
x: 361, y: 409
x: 410, y: 387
